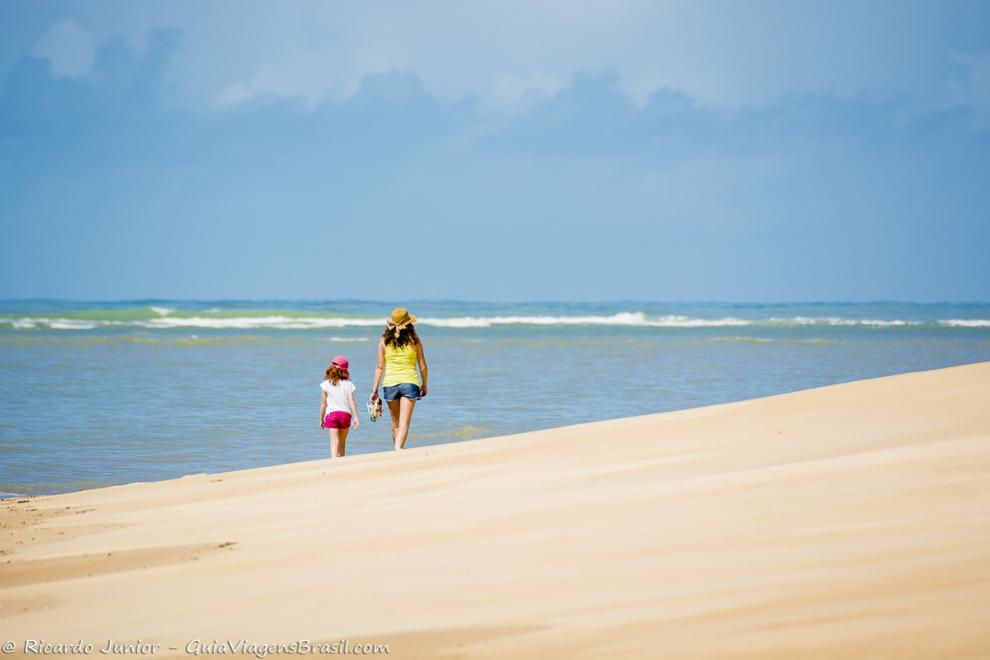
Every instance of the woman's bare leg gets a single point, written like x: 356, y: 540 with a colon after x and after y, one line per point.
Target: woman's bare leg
x: 393, y: 411
x: 405, y: 418
x: 338, y: 440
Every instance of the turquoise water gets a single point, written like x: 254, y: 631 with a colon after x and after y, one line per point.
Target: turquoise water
x: 100, y: 393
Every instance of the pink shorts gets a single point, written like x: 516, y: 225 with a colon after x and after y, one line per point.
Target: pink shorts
x: 338, y: 420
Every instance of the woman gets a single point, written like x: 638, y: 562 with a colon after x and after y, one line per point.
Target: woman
x: 399, y: 352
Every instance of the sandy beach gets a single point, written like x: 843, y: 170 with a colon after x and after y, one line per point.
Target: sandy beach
x: 846, y: 521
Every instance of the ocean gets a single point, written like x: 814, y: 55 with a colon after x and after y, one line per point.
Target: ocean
x: 102, y: 393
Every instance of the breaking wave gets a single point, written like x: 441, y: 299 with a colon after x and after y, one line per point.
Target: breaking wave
x: 966, y: 323
x: 166, y: 318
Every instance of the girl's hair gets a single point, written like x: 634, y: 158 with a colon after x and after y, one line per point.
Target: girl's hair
x: 335, y: 374
x: 400, y: 338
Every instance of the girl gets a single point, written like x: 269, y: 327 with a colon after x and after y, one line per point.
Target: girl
x: 338, y: 412
x: 399, y: 352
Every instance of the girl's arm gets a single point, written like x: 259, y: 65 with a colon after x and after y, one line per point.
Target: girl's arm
x: 379, y: 369
x: 323, y: 409
x: 421, y: 356
x: 354, y: 414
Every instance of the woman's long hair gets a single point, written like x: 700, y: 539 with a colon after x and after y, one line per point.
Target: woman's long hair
x: 400, y: 338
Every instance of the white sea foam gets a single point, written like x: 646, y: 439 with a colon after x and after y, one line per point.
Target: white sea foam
x: 71, y: 324
x: 316, y: 322
x: 687, y: 322
x: 621, y: 319
x: 835, y: 320
x: 162, y: 311
x: 966, y: 323
x: 348, y: 340
x: 28, y: 323
x: 249, y: 322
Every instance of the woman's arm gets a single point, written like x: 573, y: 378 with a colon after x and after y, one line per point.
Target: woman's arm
x: 354, y: 415
x: 379, y: 369
x: 421, y: 356
x: 323, y: 409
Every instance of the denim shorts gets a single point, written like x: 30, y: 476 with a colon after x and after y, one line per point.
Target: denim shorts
x: 396, y: 392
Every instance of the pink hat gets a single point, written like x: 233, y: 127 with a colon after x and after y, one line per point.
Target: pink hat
x: 340, y: 362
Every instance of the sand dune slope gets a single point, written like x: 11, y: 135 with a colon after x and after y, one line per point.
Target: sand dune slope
x: 847, y: 521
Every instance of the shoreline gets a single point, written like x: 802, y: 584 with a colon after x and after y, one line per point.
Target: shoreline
x: 842, y: 520
x: 6, y: 497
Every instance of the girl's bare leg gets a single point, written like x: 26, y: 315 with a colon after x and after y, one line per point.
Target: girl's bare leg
x: 338, y: 440
x: 393, y: 411
x: 405, y: 418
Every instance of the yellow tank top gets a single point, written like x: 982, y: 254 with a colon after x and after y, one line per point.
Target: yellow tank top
x: 400, y: 365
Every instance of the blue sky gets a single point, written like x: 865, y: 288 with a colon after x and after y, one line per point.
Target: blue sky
x: 759, y: 151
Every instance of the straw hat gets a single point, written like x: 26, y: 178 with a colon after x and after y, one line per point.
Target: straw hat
x: 400, y: 318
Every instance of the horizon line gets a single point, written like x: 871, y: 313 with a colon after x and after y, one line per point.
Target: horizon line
x: 588, y: 301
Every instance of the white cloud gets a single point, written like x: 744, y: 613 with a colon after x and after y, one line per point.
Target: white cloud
x: 503, y: 53
x: 69, y: 47
x: 512, y: 92
x: 294, y: 73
